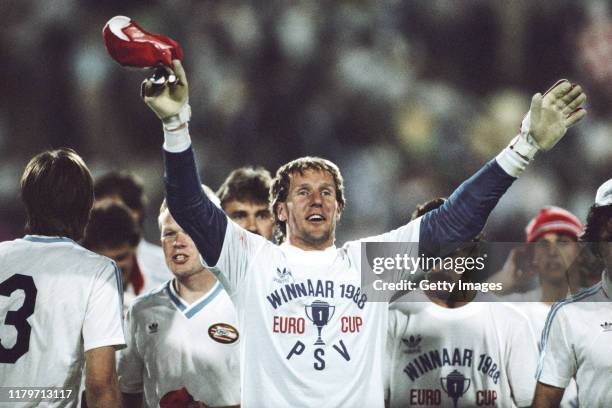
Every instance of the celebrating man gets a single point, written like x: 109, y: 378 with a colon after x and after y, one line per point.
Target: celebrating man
x: 309, y: 335
x: 577, y: 338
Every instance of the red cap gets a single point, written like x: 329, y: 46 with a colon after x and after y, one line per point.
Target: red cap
x: 131, y: 46
x: 553, y: 219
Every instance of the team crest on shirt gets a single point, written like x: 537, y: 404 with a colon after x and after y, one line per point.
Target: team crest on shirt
x: 413, y: 344
x: 283, y: 276
x: 152, y: 327
x: 223, y: 333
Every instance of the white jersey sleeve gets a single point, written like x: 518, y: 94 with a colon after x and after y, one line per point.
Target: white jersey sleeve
x: 406, y: 239
x: 239, y: 248
x: 406, y: 233
x: 557, y: 363
x: 103, y: 318
x: 521, y: 363
x: 130, y: 365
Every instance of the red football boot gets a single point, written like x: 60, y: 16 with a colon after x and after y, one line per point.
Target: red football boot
x: 131, y: 46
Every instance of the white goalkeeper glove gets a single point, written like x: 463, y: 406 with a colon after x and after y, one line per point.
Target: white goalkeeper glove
x: 548, y: 119
x: 169, y: 101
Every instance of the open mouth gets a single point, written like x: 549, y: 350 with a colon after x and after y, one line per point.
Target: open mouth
x: 180, y: 258
x: 315, y: 218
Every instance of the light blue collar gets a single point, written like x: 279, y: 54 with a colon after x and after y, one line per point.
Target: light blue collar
x: 191, y: 310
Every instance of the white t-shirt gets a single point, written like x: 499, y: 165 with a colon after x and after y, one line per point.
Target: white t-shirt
x: 577, y: 342
x: 537, y: 313
x: 63, y: 300
x: 173, y: 345
x: 480, y: 354
x: 279, y: 292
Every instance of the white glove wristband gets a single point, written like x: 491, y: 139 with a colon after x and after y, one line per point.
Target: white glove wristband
x: 511, y: 162
x: 178, y: 120
x: 524, y: 144
x: 176, y: 141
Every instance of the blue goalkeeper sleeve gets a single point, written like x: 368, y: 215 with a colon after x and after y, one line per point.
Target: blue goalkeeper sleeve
x: 193, y: 211
x: 461, y: 218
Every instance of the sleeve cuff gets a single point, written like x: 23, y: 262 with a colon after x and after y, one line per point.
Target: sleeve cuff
x: 176, y: 141
x: 118, y: 343
x: 511, y: 162
x: 554, y: 380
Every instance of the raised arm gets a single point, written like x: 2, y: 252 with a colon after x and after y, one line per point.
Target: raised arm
x: 190, y: 207
x: 464, y: 214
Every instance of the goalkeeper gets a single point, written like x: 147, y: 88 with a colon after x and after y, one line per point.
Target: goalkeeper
x: 292, y: 300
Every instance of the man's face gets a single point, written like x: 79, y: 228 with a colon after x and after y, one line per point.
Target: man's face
x: 553, y: 254
x: 311, y: 210
x: 253, y: 217
x: 182, y: 256
x: 125, y: 257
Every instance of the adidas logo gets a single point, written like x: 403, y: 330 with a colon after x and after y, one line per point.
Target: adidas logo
x: 413, y: 343
x: 606, y: 326
x: 284, y: 276
x: 152, y: 328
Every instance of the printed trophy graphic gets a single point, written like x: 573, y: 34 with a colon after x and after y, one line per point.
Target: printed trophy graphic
x: 318, y: 312
x: 455, y: 385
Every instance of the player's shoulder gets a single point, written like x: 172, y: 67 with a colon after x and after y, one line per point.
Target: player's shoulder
x: 397, y: 323
x: 7, y: 247
x: 406, y: 233
x: 239, y: 236
x: 152, y: 298
x: 577, y: 304
x: 508, y: 311
x: 411, y: 303
x: 64, y: 249
x: 93, y: 260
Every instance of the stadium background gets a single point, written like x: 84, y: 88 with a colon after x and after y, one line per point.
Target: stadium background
x: 407, y: 97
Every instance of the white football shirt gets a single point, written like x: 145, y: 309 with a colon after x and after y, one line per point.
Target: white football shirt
x: 480, y: 354
x: 537, y: 313
x: 309, y: 336
x: 577, y: 342
x: 173, y: 345
x: 57, y: 301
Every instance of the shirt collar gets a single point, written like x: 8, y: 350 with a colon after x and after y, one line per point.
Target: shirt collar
x: 46, y: 238
x: 323, y: 256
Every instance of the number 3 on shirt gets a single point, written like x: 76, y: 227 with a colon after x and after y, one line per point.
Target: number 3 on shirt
x: 18, y: 318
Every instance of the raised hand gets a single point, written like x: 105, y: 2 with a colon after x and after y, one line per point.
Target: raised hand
x: 169, y: 99
x: 551, y: 114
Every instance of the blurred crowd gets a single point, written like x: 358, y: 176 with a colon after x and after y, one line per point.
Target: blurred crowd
x: 407, y: 97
